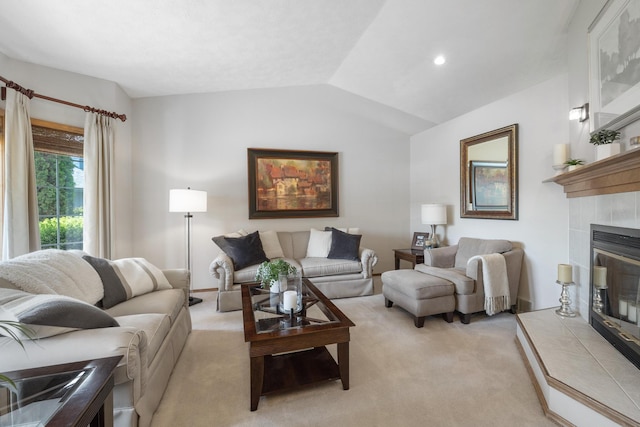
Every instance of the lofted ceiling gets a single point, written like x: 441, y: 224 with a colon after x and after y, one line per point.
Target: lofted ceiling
x: 382, y: 50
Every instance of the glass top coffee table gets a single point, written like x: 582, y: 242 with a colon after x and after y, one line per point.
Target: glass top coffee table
x: 289, y: 351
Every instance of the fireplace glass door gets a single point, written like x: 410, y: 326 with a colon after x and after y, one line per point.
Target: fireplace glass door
x: 615, y: 288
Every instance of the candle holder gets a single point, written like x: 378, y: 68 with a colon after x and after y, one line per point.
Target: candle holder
x: 597, y: 299
x: 559, y: 169
x: 565, y: 301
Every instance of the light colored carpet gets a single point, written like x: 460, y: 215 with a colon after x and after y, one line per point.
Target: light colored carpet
x: 440, y: 375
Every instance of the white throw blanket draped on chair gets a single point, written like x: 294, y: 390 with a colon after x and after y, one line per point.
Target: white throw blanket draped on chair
x: 496, y: 283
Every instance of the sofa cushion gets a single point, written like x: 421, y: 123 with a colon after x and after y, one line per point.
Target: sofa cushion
x: 316, y: 267
x: 344, y: 245
x: 248, y: 274
x: 156, y: 326
x: 469, y: 247
x: 126, y: 278
x: 271, y: 244
x: 464, y: 285
x: 319, y: 244
x: 49, y: 315
x: 168, y: 301
x: 243, y: 251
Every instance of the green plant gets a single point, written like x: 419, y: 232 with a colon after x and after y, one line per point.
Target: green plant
x: 271, y: 270
x: 604, y: 136
x: 574, y: 162
x: 14, y: 330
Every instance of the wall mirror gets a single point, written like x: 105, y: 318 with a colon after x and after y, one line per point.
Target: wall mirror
x: 489, y: 175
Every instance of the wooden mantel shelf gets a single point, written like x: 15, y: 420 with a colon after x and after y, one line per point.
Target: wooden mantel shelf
x: 615, y: 174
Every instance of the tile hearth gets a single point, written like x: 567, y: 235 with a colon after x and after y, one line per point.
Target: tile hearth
x: 581, y: 379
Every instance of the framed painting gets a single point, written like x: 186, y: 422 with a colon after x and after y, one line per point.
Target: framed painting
x: 292, y: 184
x: 489, y: 185
x: 419, y: 241
x: 614, y: 65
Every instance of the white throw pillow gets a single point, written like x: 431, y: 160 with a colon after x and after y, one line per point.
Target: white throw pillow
x: 319, y: 243
x: 271, y: 244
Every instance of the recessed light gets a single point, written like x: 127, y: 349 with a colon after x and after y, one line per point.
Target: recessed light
x: 439, y: 60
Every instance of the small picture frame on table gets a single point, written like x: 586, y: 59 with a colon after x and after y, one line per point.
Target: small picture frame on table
x: 419, y: 241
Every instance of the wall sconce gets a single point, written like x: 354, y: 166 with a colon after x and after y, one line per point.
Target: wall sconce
x: 579, y: 113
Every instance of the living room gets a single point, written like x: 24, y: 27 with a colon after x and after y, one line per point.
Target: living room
x: 391, y: 162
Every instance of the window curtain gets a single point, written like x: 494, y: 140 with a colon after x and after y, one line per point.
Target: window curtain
x: 98, y: 180
x: 20, y: 229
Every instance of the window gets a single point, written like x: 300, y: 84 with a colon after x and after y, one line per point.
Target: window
x: 60, y: 183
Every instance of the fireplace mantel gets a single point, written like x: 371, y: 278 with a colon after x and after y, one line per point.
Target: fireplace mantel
x: 615, y: 174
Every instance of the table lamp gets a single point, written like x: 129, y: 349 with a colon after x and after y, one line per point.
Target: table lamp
x: 433, y: 214
x: 188, y: 201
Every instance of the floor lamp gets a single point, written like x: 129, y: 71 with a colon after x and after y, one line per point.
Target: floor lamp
x: 188, y: 201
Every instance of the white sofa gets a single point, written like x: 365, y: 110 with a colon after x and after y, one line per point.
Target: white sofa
x: 335, y: 278
x: 153, y: 326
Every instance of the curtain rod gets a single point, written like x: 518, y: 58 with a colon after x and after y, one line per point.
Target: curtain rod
x: 30, y: 93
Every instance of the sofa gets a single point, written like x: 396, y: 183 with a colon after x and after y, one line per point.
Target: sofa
x: 81, y: 308
x: 461, y: 265
x: 332, y: 259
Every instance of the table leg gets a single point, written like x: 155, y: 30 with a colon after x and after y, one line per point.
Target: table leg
x: 397, y: 262
x: 257, y: 377
x: 343, y: 363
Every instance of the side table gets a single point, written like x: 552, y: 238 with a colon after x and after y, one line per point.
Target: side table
x: 411, y: 255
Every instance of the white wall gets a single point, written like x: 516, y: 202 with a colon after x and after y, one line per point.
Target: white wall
x: 542, y: 229
x: 96, y: 93
x: 201, y: 141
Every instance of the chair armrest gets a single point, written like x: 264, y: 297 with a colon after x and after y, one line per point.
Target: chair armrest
x: 179, y: 278
x: 368, y: 258
x: 222, y: 269
x: 444, y: 257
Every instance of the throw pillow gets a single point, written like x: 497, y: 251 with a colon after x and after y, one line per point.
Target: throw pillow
x: 48, y: 315
x: 344, y: 245
x: 319, y: 243
x: 351, y: 230
x: 243, y: 251
x: 271, y: 244
x: 126, y: 278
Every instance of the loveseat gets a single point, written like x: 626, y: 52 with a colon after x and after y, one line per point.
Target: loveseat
x: 332, y: 259
x: 83, y: 308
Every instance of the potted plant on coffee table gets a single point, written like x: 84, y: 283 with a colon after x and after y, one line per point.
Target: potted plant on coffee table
x: 269, y: 271
x: 605, y: 142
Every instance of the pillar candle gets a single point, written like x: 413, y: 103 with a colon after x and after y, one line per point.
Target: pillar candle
x: 622, y: 307
x: 290, y: 300
x: 633, y: 313
x: 600, y: 277
x: 560, y: 154
x: 565, y: 273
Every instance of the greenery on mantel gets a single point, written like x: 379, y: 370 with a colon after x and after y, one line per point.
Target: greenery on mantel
x: 574, y: 162
x: 271, y: 270
x: 604, y: 136
x: 13, y: 330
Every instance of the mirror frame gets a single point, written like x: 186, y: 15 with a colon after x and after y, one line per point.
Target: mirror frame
x: 511, y: 211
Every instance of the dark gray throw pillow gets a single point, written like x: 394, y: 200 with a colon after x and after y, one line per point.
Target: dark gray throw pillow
x: 67, y: 314
x: 344, y: 245
x: 114, y: 290
x: 243, y: 251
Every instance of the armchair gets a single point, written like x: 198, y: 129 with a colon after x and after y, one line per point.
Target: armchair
x: 457, y: 265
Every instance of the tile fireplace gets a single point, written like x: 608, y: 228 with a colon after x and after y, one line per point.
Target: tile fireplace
x: 615, y: 288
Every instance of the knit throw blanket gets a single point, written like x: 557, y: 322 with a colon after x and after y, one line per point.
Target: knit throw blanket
x: 53, y: 271
x: 496, y: 284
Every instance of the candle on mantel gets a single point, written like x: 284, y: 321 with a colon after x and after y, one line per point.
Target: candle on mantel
x: 290, y: 300
x: 633, y: 313
x: 565, y: 273
x: 560, y: 154
x: 622, y: 307
x: 600, y: 277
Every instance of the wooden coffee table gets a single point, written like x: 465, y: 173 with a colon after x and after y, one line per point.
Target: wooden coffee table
x: 290, y: 351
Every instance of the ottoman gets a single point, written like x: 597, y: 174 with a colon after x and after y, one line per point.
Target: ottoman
x: 418, y: 293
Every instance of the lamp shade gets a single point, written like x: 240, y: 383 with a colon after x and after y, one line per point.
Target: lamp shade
x: 187, y: 200
x: 434, y: 214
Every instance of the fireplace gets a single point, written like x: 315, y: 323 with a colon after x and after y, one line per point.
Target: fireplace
x: 615, y: 288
